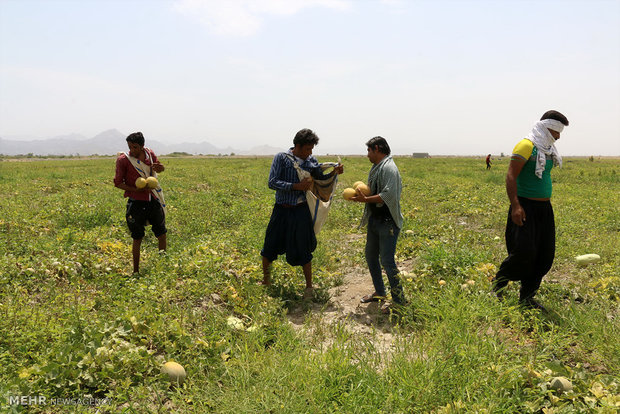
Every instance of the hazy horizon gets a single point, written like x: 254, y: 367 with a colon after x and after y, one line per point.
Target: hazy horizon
x: 443, y: 77
x: 317, y: 150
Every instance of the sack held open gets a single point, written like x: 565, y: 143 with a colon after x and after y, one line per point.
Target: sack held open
x: 319, y: 196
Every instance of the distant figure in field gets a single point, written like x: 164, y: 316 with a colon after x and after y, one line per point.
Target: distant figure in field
x: 384, y: 219
x: 489, y: 162
x: 530, y: 228
x: 144, y: 205
x: 290, y: 229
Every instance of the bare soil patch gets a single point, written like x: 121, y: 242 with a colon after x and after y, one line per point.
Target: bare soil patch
x: 362, y: 320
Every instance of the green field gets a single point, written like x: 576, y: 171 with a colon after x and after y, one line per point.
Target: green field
x: 76, y: 324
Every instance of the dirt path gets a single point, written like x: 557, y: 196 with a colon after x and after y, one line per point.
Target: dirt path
x: 344, y: 308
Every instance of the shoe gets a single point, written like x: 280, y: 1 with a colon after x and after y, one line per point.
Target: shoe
x: 373, y: 297
x: 530, y: 303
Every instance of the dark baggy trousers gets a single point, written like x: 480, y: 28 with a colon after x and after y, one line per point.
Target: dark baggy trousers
x: 290, y: 230
x: 531, y: 248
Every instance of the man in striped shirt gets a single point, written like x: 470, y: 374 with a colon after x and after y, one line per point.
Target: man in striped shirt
x: 290, y: 230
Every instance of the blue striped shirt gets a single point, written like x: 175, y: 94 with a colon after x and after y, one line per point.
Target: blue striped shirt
x: 283, y: 175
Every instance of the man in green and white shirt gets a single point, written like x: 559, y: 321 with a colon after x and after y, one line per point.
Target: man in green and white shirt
x: 530, y: 228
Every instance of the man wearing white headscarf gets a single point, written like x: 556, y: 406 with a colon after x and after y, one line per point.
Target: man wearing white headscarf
x: 530, y: 228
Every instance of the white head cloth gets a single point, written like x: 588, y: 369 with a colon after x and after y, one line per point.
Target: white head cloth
x: 544, y: 141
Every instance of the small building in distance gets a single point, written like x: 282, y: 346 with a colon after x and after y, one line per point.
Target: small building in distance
x: 421, y: 155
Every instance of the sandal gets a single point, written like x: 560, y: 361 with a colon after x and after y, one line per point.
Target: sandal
x: 373, y: 297
x: 392, y: 309
x: 386, y: 309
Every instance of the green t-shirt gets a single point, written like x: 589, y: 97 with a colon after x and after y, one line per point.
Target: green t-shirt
x: 528, y: 183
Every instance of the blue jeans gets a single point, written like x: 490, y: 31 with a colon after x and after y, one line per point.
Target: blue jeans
x: 380, y: 249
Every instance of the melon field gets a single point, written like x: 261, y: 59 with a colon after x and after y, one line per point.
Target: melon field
x: 81, y: 333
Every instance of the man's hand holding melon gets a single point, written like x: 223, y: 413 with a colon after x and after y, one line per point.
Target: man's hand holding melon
x: 359, y: 192
x: 147, y: 184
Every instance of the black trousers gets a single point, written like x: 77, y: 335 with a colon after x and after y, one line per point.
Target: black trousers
x: 531, y: 248
x: 290, y: 230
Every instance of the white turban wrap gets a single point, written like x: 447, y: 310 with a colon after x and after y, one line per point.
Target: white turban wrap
x: 544, y: 141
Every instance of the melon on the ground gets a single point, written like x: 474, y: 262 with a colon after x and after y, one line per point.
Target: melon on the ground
x: 175, y: 372
x: 586, y: 259
x: 561, y: 384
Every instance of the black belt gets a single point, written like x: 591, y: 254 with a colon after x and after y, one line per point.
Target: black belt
x: 293, y: 205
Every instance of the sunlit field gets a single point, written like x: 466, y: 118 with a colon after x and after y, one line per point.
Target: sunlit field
x: 77, y: 325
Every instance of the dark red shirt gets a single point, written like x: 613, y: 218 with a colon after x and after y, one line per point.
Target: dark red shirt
x: 127, y: 173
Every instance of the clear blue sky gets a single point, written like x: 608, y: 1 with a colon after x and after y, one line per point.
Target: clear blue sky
x: 445, y: 77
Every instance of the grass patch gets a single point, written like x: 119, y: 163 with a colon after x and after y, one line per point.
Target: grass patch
x: 77, y: 324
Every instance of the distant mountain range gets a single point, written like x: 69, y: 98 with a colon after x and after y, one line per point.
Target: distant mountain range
x: 112, y: 141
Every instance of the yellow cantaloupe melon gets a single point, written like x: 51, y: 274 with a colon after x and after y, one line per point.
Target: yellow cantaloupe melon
x: 151, y: 182
x: 348, y: 193
x: 140, y: 182
x: 364, y: 189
